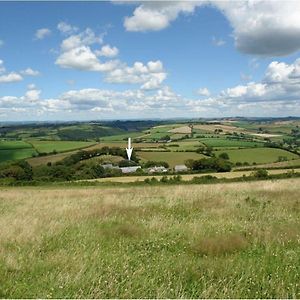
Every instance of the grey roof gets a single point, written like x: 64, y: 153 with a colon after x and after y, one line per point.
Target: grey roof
x: 157, y: 169
x: 130, y: 169
x: 180, y: 168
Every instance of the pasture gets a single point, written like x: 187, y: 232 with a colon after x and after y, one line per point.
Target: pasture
x: 257, y: 155
x: 172, y: 158
x: 227, y: 142
x: 59, y: 146
x: 237, y: 240
x: 15, y: 150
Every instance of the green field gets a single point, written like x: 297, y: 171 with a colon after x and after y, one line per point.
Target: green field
x: 257, y: 155
x: 122, y: 137
x: 238, y: 240
x: 16, y: 154
x: 59, y: 146
x: 15, y: 150
x: 7, y: 145
x: 191, y: 144
x: 226, y: 142
x: 172, y: 158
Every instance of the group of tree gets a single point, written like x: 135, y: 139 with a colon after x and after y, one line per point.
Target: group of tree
x: 210, y: 164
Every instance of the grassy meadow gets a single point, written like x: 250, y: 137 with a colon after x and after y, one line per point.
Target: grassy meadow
x: 257, y: 155
x: 15, y: 150
x: 237, y: 240
x: 59, y: 146
x: 172, y: 158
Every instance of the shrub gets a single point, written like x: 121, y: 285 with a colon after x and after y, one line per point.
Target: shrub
x: 151, y: 163
x: 215, y: 164
x: 261, y: 173
x: 127, y: 163
x: 224, y: 155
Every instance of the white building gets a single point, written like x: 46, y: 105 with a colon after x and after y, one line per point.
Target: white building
x: 181, y: 168
x: 156, y: 169
x: 126, y: 170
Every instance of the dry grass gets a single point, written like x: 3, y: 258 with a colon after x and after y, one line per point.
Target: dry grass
x: 186, y: 177
x: 237, y: 240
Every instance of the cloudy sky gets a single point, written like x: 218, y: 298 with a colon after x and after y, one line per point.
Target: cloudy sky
x: 131, y: 60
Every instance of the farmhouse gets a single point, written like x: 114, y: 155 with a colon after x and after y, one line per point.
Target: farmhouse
x: 159, y: 169
x: 126, y: 170
x: 181, y: 168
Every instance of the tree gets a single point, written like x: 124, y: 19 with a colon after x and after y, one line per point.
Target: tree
x: 152, y: 163
x: 261, y: 173
x: 127, y: 163
x: 215, y: 164
x: 98, y: 171
x: 224, y: 155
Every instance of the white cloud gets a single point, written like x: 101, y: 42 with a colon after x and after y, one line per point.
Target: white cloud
x: 66, y: 28
x: 30, y: 72
x: 31, y: 86
x: 218, y: 42
x: 203, y: 92
x: 108, y: 51
x: 11, y: 77
x: 157, y: 15
x: 2, y: 68
x: 85, y: 38
x: 1, y: 43
x: 150, y: 75
x: 77, y: 53
x: 83, y: 58
x: 267, y: 28
x: 42, y: 33
x: 277, y: 94
x: 32, y: 95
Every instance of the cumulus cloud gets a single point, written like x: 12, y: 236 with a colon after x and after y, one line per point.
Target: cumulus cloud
x: 108, y: 51
x: 266, y: 28
x: 77, y: 52
x: 151, y: 75
x: 66, y: 28
x: 277, y: 93
x: 11, y: 77
x: 2, y: 68
x: 84, y: 59
x: 15, y: 76
x: 203, y: 92
x: 30, y: 72
x: 42, y: 33
x: 157, y: 15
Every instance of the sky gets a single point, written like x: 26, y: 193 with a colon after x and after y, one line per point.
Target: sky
x: 143, y: 60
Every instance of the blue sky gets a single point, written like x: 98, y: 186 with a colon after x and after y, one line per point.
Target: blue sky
x: 105, y: 60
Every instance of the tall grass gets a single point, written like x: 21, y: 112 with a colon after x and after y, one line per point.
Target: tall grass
x: 238, y: 240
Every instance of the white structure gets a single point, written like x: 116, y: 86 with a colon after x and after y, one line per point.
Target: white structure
x: 181, y: 168
x: 126, y: 170
x: 156, y: 169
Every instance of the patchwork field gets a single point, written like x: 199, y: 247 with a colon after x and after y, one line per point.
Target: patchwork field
x: 237, y: 240
x: 59, y: 146
x: 15, y: 150
x: 257, y: 155
x: 172, y: 158
x: 226, y: 142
